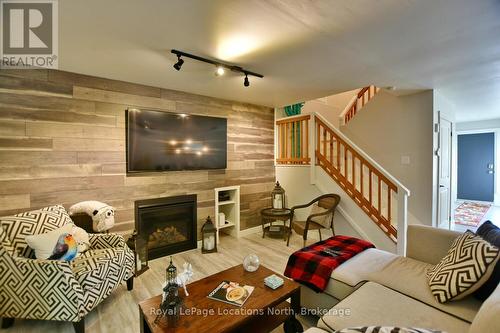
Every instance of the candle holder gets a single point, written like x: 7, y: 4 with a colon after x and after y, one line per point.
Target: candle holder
x: 208, y: 237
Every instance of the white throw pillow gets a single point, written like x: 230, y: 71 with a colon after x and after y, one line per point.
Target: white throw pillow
x: 323, y: 220
x: 44, y: 244
x: 82, y: 239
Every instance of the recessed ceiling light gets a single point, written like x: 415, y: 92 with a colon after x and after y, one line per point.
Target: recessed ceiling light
x: 219, y: 71
x: 173, y: 142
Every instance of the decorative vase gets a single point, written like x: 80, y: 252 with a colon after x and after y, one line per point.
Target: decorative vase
x: 251, y: 262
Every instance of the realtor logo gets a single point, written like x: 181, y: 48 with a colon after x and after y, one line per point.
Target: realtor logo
x: 29, y: 35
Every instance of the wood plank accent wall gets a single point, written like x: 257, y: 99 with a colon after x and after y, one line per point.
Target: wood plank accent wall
x: 62, y: 140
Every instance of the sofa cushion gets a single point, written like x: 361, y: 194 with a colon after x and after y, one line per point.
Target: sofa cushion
x: 355, y: 271
x: 34, y: 222
x: 468, y: 264
x: 408, y: 276
x: 487, y: 319
x: 385, y: 329
x: 374, y: 304
x: 490, y: 233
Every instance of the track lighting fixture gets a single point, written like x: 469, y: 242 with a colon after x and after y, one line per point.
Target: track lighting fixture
x: 179, y: 63
x: 220, y: 66
x: 219, y: 71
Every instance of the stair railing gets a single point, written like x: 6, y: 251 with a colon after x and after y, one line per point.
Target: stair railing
x: 293, y: 140
x: 356, y: 103
x: 379, y: 194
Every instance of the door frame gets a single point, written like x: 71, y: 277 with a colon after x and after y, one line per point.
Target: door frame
x: 496, y: 155
x: 452, y: 171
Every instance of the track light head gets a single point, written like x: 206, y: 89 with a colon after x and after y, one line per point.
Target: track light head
x: 246, y: 82
x: 179, y: 63
x: 219, y: 71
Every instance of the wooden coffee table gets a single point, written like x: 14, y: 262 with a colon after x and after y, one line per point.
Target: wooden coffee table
x: 263, y: 311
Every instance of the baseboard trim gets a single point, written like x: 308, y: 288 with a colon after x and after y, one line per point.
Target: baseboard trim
x: 250, y: 231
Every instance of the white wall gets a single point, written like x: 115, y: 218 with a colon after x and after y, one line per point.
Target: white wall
x: 389, y: 128
x: 349, y: 218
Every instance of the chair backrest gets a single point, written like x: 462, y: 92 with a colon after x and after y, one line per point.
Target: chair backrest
x: 329, y: 201
x: 5, y: 244
x: 17, y: 227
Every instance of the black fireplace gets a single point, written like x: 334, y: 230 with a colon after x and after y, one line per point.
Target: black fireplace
x: 166, y: 225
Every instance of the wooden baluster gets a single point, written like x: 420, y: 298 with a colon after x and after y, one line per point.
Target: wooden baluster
x: 389, y: 204
x: 353, y: 173
x: 338, y: 155
x: 324, y: 141
x: 345, y: 162
x: 370, y: 187
x: 379, y: 199
x: 331, y: 148
x: 307, y: 138
x: 301, y: 141
x: 280, y: 141
x: 361, y: 178
x: 318, y: 128
x: 286, y: 140
x: 296, y: 138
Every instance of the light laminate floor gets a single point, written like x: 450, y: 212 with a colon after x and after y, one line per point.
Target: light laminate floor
x: 119, y: 312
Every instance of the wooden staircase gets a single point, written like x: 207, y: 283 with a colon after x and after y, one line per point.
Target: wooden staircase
x: 363, y: 96
x: 380, y: 195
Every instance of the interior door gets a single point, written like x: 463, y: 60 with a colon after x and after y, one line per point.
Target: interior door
x: 444, y: 176
x: 476, y: 156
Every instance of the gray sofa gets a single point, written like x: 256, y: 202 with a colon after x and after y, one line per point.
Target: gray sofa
x: 380, y: 288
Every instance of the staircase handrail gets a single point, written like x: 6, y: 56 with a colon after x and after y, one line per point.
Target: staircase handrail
x: 367, y: 157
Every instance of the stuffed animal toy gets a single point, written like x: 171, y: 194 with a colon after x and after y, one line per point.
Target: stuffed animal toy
x: 103, y: 215
x: 82, y: 239
x: 66, y: 248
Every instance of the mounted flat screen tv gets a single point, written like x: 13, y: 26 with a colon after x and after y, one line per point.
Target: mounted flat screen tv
x: 162, y: 141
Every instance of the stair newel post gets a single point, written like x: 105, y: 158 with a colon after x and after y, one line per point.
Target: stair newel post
x: 312, y: 146
x: 402, y: 221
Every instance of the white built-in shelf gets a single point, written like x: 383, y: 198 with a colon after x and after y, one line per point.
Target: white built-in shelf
x: 226, y: 202
x: 230, y: 207
x: 226, y: 225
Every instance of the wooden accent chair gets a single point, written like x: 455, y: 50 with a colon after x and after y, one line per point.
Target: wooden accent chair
x: 323, y: 219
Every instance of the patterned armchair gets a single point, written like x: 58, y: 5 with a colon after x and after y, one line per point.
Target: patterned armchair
x: 51, y: 289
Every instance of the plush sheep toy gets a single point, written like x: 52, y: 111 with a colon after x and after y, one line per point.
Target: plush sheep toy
x: 103, y: 215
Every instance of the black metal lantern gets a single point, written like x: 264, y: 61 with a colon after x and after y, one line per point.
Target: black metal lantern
x: 171, y: 273
x: 278, y: 197
x: 208, y: 237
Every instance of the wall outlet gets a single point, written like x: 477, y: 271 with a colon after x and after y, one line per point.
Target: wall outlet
x: 405, y: 160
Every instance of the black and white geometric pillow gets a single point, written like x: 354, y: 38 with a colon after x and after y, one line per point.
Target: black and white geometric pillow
x: 386, y: 329
x: 34, y: 222
x: 467, y: 265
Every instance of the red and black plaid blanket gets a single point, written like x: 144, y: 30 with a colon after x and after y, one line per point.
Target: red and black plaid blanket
x: 313, y: 265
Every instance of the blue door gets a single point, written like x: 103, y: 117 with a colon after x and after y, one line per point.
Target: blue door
x: 476, y: 158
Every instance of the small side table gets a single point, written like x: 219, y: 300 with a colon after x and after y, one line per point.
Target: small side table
x: 270, y: 215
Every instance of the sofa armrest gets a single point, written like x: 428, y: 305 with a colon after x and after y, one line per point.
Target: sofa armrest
x: 40, y: 289
x: 106, y: 241
x: 428, y: 244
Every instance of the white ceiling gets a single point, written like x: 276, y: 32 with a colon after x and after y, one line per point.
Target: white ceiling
x: 305, y: 48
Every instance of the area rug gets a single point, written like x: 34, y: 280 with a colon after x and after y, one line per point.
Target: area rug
x: 470, y: 213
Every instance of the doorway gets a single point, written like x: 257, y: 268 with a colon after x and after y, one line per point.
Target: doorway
x: 476, y: 165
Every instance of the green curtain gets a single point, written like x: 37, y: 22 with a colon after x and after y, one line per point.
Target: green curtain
x: 294, y: 110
